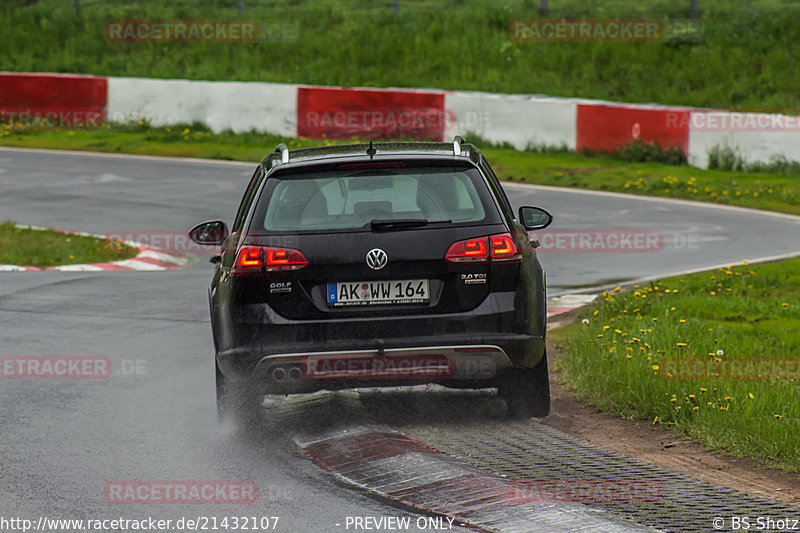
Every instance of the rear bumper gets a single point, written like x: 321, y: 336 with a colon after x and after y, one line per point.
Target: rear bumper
x: 435, y: 359
x: 305, y: 372
x: 500, y: 330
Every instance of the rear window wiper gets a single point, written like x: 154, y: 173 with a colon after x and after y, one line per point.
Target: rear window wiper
x: 402, y: 223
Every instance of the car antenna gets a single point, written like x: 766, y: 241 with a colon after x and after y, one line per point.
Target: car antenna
x: 371, y: 151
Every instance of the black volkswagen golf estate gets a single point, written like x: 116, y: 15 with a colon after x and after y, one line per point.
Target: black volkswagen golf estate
x: 377, y: 265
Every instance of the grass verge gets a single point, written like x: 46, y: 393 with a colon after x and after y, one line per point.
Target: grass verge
x: 736, y: 57
x: 635, y: 353
x: 759, y: 190
x: 47, y: 248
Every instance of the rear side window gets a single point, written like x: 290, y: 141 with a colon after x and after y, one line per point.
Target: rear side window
x: 340, y: 200
x: 494, y: 183
x: 247, y: 199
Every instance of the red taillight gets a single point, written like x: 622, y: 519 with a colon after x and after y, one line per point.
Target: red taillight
x: 249, y: 259
x: 503, y: 248
x: 283, y: 259
x: 469, y: 250
x: 496, y: 247
x: 256, y: 259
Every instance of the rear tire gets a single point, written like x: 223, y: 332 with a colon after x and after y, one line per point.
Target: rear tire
x: 236, y: 399
x: 527, y: 391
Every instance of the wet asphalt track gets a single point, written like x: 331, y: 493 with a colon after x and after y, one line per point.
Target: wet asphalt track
x: 62, y: 440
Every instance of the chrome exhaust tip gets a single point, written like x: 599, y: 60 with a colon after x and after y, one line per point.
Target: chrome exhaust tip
x: 279, y: 374
x: 294, y: 373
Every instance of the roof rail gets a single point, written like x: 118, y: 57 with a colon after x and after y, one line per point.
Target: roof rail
x: 284, y: 150
x: 278, y: 157
x: 281, y: 154
x: 457, y: 142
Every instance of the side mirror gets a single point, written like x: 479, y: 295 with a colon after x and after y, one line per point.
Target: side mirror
x: 209, y: 233
x: 534, y: 217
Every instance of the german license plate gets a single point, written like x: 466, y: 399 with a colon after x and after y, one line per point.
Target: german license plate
x: 405, y: 291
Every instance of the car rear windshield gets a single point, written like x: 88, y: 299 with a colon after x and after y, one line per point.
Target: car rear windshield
x: 357, y: 199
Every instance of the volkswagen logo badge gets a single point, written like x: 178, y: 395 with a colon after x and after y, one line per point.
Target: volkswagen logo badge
x: 376, y: 259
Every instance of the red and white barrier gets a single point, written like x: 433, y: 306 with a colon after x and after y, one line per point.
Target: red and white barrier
x: 335, y: 112
x: 54, y: 99
x: 220, y: 105
x: 332, y: 112
x: 605, y: 127
x: 522, y: 120
x: 754, y: 136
